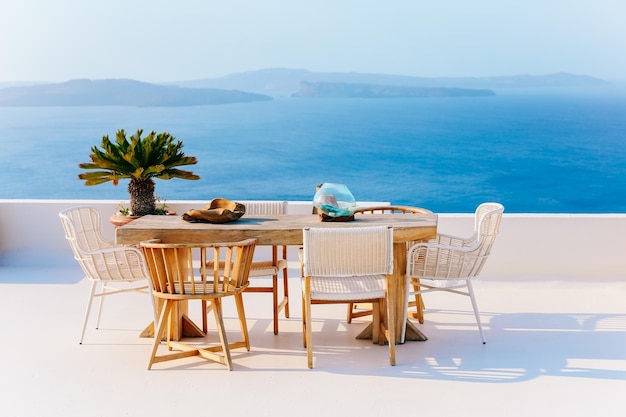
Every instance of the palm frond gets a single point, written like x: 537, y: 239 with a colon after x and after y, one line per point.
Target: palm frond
x: 155, y: 155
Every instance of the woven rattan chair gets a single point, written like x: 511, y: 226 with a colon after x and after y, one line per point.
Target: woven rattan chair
x: 449, y: 263
x: 111, y: 269
x: 174, y: 279
x: 269, y: 267
x: 343, y: 265
x: 359, y: 309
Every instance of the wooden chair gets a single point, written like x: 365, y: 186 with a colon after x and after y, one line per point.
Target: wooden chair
x: 174, y: 279
x: 268, y: 267
x: 449, y: 263
x: 343, y: 265
x: 358, y: 309
x: 112, y: 269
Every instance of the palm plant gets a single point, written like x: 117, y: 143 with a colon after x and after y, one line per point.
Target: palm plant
x: 141, y: 160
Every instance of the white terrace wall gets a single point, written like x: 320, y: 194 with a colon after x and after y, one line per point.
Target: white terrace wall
x: 557, y: 245
x: 529, y: 245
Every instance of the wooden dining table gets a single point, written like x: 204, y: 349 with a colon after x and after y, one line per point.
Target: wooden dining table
x: 287, y: 230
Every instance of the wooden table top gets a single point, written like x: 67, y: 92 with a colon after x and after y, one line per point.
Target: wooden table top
x: 268, y: 230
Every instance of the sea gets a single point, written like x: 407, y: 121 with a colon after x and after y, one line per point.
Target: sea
x: 535, y: 151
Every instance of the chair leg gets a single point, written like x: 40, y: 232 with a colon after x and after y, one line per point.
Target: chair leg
x: 242, y: 320
x: 92, y: 291
x: 275, y: 302
x: 350, y: 309
x: 160, y: 330
x: 205, y: 326
x: 221, y: 330
x: 391, y: 326
x: 303, y: 304
x: 307, y: 325
x: 419, y: 306
x: 470, y: 290
x: 101, y: 303
x: 418, y: 303
x: 286, y: 285
x: 206, y: 309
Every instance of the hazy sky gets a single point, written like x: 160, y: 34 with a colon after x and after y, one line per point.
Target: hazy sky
x: 157, y: 40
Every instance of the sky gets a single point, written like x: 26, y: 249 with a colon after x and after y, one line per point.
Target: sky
x: 161, y: 41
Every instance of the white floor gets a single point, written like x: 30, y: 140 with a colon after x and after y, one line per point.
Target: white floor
x: 554, y: 347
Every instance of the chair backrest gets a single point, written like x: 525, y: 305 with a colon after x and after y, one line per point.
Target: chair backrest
x: 391, y: 210
x: 488, y: 217
x: 260, y: 208
x: 349, y: 251
x: 99, y: 258
x: 443, y: 261
x: 172, y: 272
x: 480, y: 212
x: 82, y: 229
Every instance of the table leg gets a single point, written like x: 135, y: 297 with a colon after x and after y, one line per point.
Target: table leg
x: 419, y: 306
x: 405, y: 330
x: 182, y: 325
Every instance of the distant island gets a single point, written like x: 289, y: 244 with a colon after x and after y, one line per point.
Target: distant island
x: 351, y: 90
x: 266, y: 84
x: 283, y: 82
x: 120, y: 92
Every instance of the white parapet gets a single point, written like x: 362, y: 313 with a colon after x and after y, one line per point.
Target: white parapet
x: 529, y: 245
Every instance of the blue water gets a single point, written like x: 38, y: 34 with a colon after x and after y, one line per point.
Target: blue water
x: 533, y: 151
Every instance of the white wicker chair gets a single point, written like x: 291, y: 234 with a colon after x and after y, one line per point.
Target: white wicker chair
x: 343, y: 265
x: 115, y: 269
x: 269, y: 267
x: 449, y: 263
